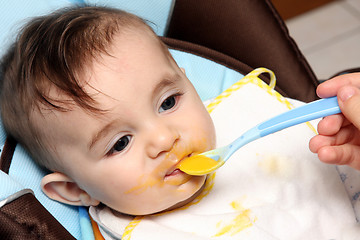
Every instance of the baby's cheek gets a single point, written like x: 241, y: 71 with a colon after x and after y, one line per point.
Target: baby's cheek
x: 209, y: 131
x: 205, y: 142
x: 204, y: 124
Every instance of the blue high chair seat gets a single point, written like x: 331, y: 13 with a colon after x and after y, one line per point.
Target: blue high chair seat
x: 25, y: 212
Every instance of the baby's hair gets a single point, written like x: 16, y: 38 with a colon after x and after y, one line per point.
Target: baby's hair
x: 52, y: 51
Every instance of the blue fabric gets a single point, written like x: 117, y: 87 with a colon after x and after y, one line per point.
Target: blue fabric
x: 87, y: 232
x: 2, y: 135
x: 14, y: 14
x: 9, y: 186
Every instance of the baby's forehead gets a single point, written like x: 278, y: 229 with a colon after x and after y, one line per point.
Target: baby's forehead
x: 131, y: 33
x: 86, y: 76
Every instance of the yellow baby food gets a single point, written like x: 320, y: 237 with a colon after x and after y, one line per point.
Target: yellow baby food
x: 199, y: 165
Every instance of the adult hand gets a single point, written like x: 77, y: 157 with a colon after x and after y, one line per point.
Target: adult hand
x: 338, y: 141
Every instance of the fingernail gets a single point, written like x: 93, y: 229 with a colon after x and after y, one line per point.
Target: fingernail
x: 346, y: 93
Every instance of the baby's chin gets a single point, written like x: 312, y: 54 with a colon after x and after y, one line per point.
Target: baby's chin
x: 154, y: 208
x: 188, y: 200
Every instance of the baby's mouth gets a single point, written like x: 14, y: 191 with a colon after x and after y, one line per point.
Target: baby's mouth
x: 175, y: 169
x: 175, y: 172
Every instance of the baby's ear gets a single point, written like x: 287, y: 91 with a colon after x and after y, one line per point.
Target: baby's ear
x: 60, y: 187
x: 183, y: 70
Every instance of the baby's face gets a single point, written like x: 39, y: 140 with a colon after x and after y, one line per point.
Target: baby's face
x: 127, y: 158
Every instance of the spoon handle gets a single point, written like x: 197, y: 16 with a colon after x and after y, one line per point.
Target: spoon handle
x: 310, y: 111
x: 317, y: 109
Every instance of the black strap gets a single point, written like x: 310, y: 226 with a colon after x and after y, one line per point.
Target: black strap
x: 7, y: 154
x: 26, y: 218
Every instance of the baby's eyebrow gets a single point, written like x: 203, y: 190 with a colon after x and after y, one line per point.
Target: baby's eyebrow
x: 103, y: 131
x: 167, y: 81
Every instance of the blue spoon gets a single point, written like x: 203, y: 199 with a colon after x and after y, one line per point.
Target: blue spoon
x: 207, y: 162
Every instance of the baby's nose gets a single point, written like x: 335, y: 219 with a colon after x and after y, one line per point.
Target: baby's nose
x: 160, y: 139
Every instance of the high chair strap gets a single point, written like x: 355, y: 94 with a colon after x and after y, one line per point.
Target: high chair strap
x: 7, y: 154
x: 26, y: 218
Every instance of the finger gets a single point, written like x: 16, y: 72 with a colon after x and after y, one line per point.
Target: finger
x: 330, y: 87
x: 346, y: 154
x: 328, y: 154
x: 346, y: 135
x: 319, y: 141
x: 349, y: 102
x: 330, y: 125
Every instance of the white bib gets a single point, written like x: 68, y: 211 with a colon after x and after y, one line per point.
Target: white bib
x: 272, y: 188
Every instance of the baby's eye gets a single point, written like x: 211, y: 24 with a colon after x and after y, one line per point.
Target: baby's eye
x: 169, y: 103
x: 120, y: 145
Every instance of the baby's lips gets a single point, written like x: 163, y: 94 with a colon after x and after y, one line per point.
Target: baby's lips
x: 173, y: 169
x: 176, y: 166
x: 174, y: 172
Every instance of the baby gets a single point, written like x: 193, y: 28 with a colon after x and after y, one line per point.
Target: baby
x: 95, y: 97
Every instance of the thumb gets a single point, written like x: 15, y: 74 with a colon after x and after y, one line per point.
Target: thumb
x: 349, y: 102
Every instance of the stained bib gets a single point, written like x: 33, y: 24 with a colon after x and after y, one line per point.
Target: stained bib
x: 272, y: 188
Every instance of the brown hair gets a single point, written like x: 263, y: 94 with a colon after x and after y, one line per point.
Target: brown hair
x: 52, y: 51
